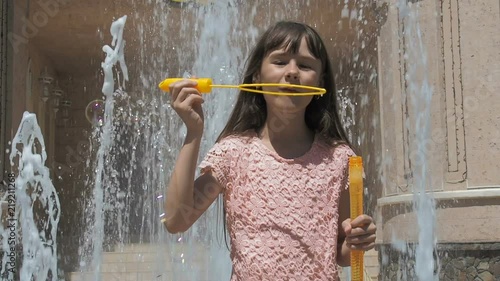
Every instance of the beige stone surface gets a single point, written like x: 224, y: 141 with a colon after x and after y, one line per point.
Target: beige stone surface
x: 480, y: 59
x: 453, y: 225
x: 462, y: 57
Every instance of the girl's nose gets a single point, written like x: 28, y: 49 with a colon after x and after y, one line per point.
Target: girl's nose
x: 292, y: 71
x: 292, y: 75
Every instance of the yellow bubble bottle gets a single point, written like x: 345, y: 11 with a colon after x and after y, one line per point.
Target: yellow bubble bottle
x: 356, y: 199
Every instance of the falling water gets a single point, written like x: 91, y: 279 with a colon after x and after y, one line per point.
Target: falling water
x: 354, y: 101
x: 420, y: 94
x: 108, y: 89
x: 33, y: 209
x: 417, y: 259
x: 104, y: 164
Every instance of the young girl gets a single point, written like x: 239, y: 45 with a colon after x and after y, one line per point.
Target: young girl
x: 281, y: 164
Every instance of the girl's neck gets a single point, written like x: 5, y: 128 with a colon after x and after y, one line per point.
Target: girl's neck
x: 286, y: 128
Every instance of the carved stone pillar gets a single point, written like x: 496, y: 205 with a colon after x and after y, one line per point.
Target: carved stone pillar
x: 453, y: 47
x: 456, y: 171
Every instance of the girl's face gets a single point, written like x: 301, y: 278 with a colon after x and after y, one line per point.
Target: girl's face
x: 283, y: 67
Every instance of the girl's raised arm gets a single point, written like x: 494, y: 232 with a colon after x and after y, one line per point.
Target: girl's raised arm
x: 187, y: 199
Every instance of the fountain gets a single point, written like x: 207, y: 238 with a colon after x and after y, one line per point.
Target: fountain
x: 124, y: 165
x: 33, y: 209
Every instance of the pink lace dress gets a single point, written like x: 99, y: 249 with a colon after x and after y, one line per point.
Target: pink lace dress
x: 282, y: 214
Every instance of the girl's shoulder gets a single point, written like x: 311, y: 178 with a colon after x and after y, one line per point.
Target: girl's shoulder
x: 236, y: 139
x: 337, y: 148
x: 343, y: 149
x: 233, y: 143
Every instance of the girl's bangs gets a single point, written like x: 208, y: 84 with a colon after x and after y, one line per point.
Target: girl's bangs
x: 290, y: 39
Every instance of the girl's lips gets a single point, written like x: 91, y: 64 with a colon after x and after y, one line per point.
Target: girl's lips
x: 289, y: 90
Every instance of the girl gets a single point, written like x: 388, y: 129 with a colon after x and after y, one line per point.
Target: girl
x: 280, y: 163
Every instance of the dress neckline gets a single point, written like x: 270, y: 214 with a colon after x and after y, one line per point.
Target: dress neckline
x: 280, y: 158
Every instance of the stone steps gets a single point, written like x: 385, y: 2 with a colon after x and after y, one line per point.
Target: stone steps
x: 124, y: 276
x: 139, y: 262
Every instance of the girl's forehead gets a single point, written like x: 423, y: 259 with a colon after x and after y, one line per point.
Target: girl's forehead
x: 287, y: 45
x: 288, y: 49
x: 293, y: 43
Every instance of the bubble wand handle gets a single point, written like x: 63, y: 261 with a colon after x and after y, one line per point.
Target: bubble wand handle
x: 356, y: 199
x: 204, y: 84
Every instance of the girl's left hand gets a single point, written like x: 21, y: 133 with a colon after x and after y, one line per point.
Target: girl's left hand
x: 360, y: 233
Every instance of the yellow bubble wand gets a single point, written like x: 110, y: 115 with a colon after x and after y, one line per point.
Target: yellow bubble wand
x: 205, y: 86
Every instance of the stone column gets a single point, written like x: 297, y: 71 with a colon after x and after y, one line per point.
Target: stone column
x: 458, y: 61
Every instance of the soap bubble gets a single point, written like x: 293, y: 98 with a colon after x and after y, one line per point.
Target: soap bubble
x: 95, y: 112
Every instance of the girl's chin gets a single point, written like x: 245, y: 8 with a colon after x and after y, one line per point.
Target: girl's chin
x: 292, y: 103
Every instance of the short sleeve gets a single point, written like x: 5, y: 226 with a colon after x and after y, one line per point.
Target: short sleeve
x: 218, y: 161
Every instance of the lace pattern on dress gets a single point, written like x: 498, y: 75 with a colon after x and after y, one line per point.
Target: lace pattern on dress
x: 282, y: 214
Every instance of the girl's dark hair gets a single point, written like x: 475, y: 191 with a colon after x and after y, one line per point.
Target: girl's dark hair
x: 321, y: 114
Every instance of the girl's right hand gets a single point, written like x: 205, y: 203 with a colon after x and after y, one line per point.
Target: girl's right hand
x: 186, y: 100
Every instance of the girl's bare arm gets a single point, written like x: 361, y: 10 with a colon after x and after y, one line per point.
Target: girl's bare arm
x: 187, y: 199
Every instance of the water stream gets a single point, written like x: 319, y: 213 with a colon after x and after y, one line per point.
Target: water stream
x: 33, y: 209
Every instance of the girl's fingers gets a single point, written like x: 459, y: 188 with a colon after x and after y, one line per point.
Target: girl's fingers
x: 366, y: 229
x: 362, y: 242
x: 186, y: 92
x: 362, y: 239
x: 361, y: 221
x: 192, y: 99
x: 346, y: 226
x: 362, y: 247
x: 176, y: 88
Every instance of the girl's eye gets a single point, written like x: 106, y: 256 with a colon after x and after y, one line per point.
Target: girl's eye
x: 279, y: 62
x: 304, y: 66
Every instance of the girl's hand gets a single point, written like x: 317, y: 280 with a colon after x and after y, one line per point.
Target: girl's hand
x: 360, y: 233
x: 186, y: 101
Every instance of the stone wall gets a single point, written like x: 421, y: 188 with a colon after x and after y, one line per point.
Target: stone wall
x: 440, y: 45
x: 471, y: 265
x: 455, y: 262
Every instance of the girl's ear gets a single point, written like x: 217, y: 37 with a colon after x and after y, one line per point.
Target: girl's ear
x: 256, y: 78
